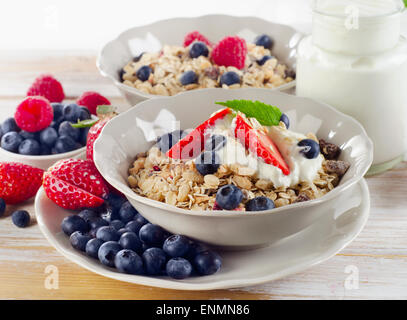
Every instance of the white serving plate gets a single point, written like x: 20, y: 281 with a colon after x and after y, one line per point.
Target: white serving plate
x: 294, y: 254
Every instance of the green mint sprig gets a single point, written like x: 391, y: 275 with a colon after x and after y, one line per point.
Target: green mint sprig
x: 266, y: 115
x: 84, y: 123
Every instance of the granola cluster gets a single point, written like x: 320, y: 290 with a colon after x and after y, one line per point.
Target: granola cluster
x: 172, y: 61
x: 178, y: 183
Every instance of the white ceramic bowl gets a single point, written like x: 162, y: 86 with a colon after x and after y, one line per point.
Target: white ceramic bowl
x: 150, y: 38
x: 133, y: 132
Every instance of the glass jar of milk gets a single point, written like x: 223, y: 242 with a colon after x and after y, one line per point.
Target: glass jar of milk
x: 356, y: 61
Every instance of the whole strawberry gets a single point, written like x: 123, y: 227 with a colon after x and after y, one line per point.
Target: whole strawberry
x: 195, y: 36
x: 230, y: 52
x: 93, y: 134
x: 18, y: 182
x: 92, y: 100
x: 48, y: 87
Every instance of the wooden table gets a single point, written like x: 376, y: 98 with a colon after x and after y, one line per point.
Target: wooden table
x: 379, y: 253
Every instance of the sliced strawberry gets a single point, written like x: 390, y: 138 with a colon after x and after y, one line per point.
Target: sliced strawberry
x: 67, y: 195
x: 93, y: 134
x: 192, y: 144
x: 260, y: 144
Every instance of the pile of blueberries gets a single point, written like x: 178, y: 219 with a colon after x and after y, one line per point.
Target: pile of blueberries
x: 59, y: 137
x: 120, y: 237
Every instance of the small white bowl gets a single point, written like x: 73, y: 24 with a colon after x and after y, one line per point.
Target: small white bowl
x: 133, y: 132
x: 150, y: 38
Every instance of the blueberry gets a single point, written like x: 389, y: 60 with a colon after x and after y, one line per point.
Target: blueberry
x: 284, y: 118
x: 145, y: 247
x: 127, y: 212
x: 263, y: 60
x: 140, y: 219
x: 179, y: 268
x: 215, y: 142
x: 83, y: 113
x: 197, y: 49
x: 83, y: 136
x: 130, y: 240
x: 92, y: 247
x: 87, y: 214
x: 66, y: 129
x: 71, y: 224
x: 207, y: 262
x: 115, y: 200
x: 117, y: 224
x: 207, y: 163
x: 194, y: 249
x: 188, y: 77
x: 11, y: 141
x: 229, y: 78
x: 1, y: 132
x: 176, y: 246
x: 71, y: 112
x: 144, y: 73
x: 57, y: 122
x: 64, y: 144
x: 154, y: 261
x: 110, y: 213
x: 122, y: 231
x: 152, y: 234
x: 138, y: 57
x: 107, y: 252
x: 107, y: 233
x: 264, y: 41
x: 20, y: 218
x: 229, y: 197
x: 309, y: 148
x: 260, y: 204
x: 2, y: 206
x: 29, y: 147
x: 9, y: 125
x: 28, y: 135
x: 97, y: 223
x: 58, y: 109
x: 128, y: 261
x: 121, y: 74
x: 45, y: 150
x: 166, y: 141
x: 79, y: 240
x: 48, y: 137
x: 134, y: 226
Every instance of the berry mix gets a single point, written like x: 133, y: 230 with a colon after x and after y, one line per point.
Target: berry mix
x: 230, y: 63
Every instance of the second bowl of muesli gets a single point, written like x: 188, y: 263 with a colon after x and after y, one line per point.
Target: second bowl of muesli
x: 246, y: 158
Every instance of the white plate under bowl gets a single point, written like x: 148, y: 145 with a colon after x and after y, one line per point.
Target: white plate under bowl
x: 313, y: 245
x: 150, y: 38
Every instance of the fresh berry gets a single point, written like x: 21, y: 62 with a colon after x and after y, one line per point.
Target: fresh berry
x: 127, y: 212
x: 96, y: 223
x: 66, y: 129
x: 107, y: 233
x: 188, y: 77
x: 1, y: 133
x: 84, y: 113
x: 194, y: 249
x: 154, y: 261
x: 57, y: 108
x: 130, y: 240
x: 93, y: 134
x: 309, y: 148
x: 92, y: 247
x: 134, y: 226
x: 79, y: 240
x: 117, y: 224
x: 260, y: 144
x: 48, y: 87
x: 29, y: 135
x: 229, y: 197
x: 176, y: 246
x: 152, y: 234
x: 144, y: 73
x: 121, y: 73
x: 29, y: 147
x: 64, y: 144
x: 138, y: 57
x: 207, y: 263
x: 110, y: 213
x: 122, y: 231
x: 215, y: 143
x: 139, y: 218
x: 48, y: 137
x: 71, y: 112
x: 284, y: 118
x: 18, y: 182
x: 264, y: 41
x: 193, y: 143
x: 9, y: 125
x: 208, y: 162
x: 166, y: 141
x: 20, y: 218
x: 92, y: 100
x: 115, y: 200
x: 229, y: 78
x: 87, y: 214
x: 11, y: 141
x: 230, y: 52
x: 260, y: 204
x: 128, y: 261
x: 263, y: 60
x: 82, y: 174
x: 195, y: 36
x: 74, y: 223
x: 45, y: 150
x: 107, y: 252
x: 2, y: 207
x: 34, y: 114
x: 179, y: 268
x: 83, y: 137
x: 198, y: 49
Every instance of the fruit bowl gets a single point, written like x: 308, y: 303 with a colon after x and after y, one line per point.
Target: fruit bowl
x: 135, y: 131
x: 132, y: 42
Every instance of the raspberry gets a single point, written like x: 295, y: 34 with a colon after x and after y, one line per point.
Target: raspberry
x: 92, y: 100
x: 230, y: 52
x: 195, y: 36
x: 34, y: 114
x: 48, y: 87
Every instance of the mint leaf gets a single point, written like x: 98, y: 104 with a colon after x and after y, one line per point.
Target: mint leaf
x: 105, y: 109
x: 266, y: 115
x: 84, y: 123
